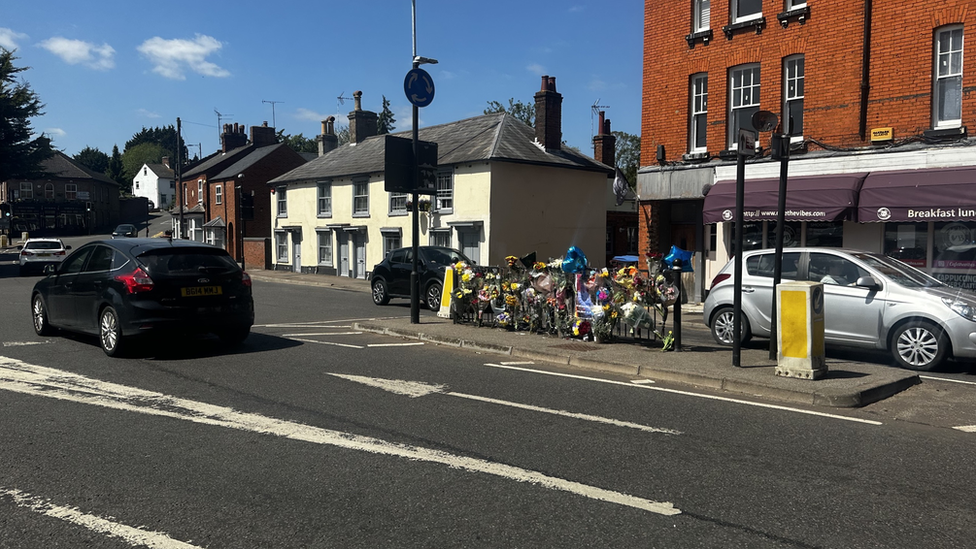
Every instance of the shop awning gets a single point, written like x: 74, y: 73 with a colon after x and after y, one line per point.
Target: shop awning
x: 943, y: 194
x: 808, y: 198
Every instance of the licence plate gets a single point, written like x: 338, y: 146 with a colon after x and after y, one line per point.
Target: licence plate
x: 44, y: 255
x: 195, y: 291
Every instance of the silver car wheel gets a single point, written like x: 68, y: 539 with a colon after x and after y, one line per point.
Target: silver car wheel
x: 918, y: 347
x: 109, y: 331
x: 723, y: 327
x: 41, y: 326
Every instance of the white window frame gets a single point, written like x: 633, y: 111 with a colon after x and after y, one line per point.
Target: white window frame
x: 324, y: 198
x: 440, y: 237
x: 281, y: 199
x: 26, y: 190
x: 70, y: 191
x: 737, y: 18
x: 281, y: 247
x: 324, y: 247
x: 743, y: 96
x: 49, y: 191
x: 200, y: 191
x: 702, y: 15
x: 795, y: 4
x: 360, y: 198
x: 445, y: 191
x: 398, y: 203
x: 948, y: 70
x: 794, y: 69
x: 218, y: 194
x: 699, y: 112
x: 391, y: 241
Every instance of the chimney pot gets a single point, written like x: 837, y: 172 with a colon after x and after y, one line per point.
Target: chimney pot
x: 545, y: 83
x: 599, y: 128
x: 358, y: 100
x: 552, y: 83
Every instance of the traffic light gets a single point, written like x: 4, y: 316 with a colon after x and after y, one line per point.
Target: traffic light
x: 87, y: 206
x: 5, y: 209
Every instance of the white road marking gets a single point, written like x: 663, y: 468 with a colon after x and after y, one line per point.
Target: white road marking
x: 24, y: 343
x: 517, y: 363
x: 21, y: 377
x: 966, y: 428
x: 688, y: 393
x: 934, y: 378
x: 322, y: 334
x: 135, y: 537
x: 414, y: 389
x: 394, y: 344
x: 328, y: 343
x: 319, y: 323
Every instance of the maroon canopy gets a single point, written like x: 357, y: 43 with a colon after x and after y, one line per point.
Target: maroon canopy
x: 944, y: 194
x: 808, y: 198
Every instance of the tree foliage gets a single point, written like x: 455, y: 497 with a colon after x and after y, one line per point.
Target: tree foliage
x: 20, y: 156
x: 93, y: 159
x: 114, y: 170
x: 384, y: 123
x: 166, y: 137
x: 628, y: 155
x: 342, y: 133
x: 135, y: 156
x: 518, y: 109
x: 298, y: 143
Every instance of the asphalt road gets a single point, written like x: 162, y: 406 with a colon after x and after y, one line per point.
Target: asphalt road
x: 310, y: 436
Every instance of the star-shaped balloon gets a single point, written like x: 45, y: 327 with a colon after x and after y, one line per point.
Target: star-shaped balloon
x: 683, y: 255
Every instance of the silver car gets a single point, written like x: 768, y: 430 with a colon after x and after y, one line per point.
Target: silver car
x: 870, y: 301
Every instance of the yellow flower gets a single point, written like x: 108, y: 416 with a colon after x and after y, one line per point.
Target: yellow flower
x: 466, y: 277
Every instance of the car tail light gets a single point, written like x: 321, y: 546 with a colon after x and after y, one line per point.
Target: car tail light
x: 59, y: 253
x: 26, y: 253
x: 246, y: 279
x: 137, y: 281
x: 719, y: 278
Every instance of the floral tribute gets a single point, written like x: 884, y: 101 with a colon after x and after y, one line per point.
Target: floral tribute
x: 565, y: 297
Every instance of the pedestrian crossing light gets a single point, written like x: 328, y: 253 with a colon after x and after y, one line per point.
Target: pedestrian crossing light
x: 87, y: 206
x: 5, y: 209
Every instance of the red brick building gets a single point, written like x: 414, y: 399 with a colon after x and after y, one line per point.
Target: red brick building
x: 872, y: 89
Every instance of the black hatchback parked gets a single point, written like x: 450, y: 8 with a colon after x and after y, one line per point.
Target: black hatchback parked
x: 118, y: 289
x: 391, y: 277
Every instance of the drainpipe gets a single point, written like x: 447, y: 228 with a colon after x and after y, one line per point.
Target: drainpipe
x: 865, y: 72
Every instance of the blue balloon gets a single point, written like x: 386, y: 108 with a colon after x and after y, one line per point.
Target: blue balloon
x: 683, y: 255
x: 575, y: 261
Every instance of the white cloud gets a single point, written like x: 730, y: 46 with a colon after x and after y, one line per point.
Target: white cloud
x: 147, y: 113
x: 308, y: 114
x: 172, y: 58
x: 55, y: 132
x: 9, y: 38
x: 74, y: 52
x: 537, y: 69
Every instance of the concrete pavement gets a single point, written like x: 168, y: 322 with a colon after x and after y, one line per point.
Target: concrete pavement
x: 700, y: 362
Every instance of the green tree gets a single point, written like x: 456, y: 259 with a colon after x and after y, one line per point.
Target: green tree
x: 93, y: 159
x: 518, y: 109
x: 20, y: 156
x: 115, y: 170
x: 134, y: 157
x: 384, y: 123
x: 343, y: 135
x: 628, y: 155
x: 298, y: 143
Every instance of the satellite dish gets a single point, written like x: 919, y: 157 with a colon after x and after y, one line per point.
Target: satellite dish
x: 764, y: 121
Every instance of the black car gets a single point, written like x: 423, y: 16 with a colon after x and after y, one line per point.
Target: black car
x: 119, y: 289
x: 391, y: 277
x: 125, y: 231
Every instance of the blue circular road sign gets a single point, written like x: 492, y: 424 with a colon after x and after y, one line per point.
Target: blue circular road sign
x: 419, y: 87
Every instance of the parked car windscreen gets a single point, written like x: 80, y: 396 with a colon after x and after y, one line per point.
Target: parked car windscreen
x: 898, y: 272
x: 445, y: 256
x: 177, y: 261
x: 42, y: 245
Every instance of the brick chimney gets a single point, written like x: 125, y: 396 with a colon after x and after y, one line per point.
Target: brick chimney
x: 548, y: 115
x: 327, y: 140
x: 263, y: 135
x: 605, y: 143
x: 233, y: 137
x: 165, y: 161
x: 362, y: 124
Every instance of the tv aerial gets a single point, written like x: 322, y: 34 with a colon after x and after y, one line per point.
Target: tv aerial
x: 273, y: 122
x: 595, y: 110
x: 220, y: 116
x: 341, y: 101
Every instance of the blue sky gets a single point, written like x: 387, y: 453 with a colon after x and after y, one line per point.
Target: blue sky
x: 106, y: 69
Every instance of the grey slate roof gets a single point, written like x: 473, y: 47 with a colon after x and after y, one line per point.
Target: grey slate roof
x: 491, y: 137
x: 214, y: 161
x: 247, y: 161
x: 63, y: 167
x: 161, y: 171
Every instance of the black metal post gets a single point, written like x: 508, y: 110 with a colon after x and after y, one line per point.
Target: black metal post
x: 179, y: 179
x: 240, y: 221
x: 676, y: 345
x: 781, y: 149
x: 415, y: 238
x: 740, y: 176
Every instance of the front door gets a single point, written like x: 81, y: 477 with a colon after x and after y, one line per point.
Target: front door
x: 296, y: 253
x: 343, y: 253
x: 359, y: 249
x: 469, y: 241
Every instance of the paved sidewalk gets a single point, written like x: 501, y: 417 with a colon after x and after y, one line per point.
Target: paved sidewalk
x: 847, y: 383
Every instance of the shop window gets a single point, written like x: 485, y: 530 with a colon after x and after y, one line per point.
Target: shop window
x: 825, y: 234
x: 947, y: 96
x: 699, y: 113
x: 743, y: 100
x: 907, y: 242
x: 793, y: 72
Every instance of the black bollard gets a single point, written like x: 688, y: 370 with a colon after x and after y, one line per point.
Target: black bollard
x: 677, y: 305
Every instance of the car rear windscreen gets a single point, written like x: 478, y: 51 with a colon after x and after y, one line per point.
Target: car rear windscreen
x: 43, y: 246
x: 178, y: 262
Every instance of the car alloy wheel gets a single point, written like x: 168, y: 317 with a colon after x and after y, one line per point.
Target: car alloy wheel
x: 110, y: 332
x: 723, y: 326
x: 380, y: 294
x: 39, y: 313
x: 433, y: 299
x: 919, y: 345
